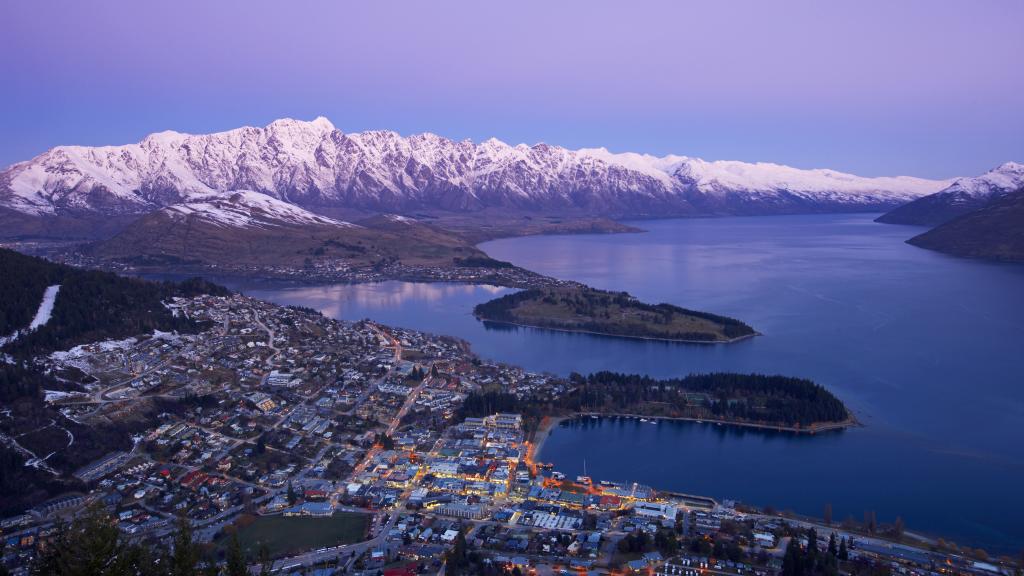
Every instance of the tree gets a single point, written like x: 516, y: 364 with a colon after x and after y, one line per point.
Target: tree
x: 236, y: 565
x: 185, y: 556
x: 385, y: 441
x: 665, y: 541
x: 832, y: 550
x: 292, y: 496
x: 844, y: 554
x: 263, y: 556
x: 457, y: 559
x: 870, y: 523
x: 793, y: 562
x: 90, y: 545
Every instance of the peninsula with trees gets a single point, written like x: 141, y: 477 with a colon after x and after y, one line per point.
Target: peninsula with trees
x: 756, y: 400
x: 579, y: 308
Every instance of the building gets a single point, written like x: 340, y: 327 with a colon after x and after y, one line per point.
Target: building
x: 507, y: 421
x: 468, y: 511
x: 655, y: 510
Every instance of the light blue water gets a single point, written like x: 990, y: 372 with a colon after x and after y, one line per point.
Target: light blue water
x: 927, y: 349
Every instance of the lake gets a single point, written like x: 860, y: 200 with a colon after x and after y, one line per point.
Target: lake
x: 928, y: 350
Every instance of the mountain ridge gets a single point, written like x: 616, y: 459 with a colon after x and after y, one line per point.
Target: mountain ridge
x: 316, y: 166
x: 963, y: 196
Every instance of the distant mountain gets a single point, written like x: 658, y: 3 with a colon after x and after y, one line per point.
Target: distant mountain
x: 317, y: 167
x: 994, y: 232
x: 961, y: 197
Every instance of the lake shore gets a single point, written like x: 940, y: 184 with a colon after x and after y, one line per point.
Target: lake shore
x: 550, y: 422
x: 815, y: 428
x: 611, y: 335
x: 540, y: 436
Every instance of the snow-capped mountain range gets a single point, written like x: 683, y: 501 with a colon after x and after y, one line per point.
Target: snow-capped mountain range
x: 962, y: 196
x: 317, y: 167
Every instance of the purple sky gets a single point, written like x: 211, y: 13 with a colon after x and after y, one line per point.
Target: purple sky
x: 928, y: 88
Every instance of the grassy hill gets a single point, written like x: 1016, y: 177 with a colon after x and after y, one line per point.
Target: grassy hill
x: 160, y: 241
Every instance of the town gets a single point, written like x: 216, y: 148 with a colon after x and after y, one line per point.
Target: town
x: 331, y: 447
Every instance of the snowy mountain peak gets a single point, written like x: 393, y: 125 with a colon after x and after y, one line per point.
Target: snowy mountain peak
x: 314, y: 165
x: 1004, y: 178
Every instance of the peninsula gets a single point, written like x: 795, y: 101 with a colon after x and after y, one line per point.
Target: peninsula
x: 579, y: 308
x: 774, y: 402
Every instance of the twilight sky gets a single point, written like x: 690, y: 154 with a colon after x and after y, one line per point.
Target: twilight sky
x: 929, y: 88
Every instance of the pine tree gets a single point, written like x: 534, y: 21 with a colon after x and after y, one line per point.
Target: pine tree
x: 832, y: 544
x: 263, y: 556
x: 236, y: 565
x: 844, y: 554
x: 793, y: 562
x: 898, y: 527
x: 185, y: 556
x: 292, y: 496
x: 90, y: 545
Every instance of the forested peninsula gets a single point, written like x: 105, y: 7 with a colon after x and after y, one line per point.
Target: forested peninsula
x: 578, y: 308
x: 756, y: 400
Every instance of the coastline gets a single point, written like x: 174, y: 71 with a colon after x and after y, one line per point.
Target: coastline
x: 627, y: 336
x: 540, y: 436
x: 849, y: 422
x: 549, y: 423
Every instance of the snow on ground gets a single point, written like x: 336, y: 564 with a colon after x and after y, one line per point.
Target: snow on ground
x: 46, y: 307
x: 84, y: 350
x: 244, y: 208
x: 54, y: 395
x: 42, y: 316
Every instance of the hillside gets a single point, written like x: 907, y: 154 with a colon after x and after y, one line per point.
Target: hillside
x: 583, y: 309
x: 89, y: 306
x: 994, y: 232
x: 252, y: 229
x: 961, y: 197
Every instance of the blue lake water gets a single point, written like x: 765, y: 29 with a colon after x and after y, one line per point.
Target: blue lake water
x: 927, y: 349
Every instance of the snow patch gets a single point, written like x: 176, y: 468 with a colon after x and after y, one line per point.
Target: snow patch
x: 42, y: 316
x: 84, y: 350
x: 46, y: 307
x: 245, y: 209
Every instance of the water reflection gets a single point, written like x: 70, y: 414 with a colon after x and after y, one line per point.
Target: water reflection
x: 349, y: 301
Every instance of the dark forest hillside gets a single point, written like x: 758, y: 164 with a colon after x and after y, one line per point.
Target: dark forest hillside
x: 90, y: 306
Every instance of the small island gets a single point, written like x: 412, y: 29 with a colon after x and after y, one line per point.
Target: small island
x: 579, y: 308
